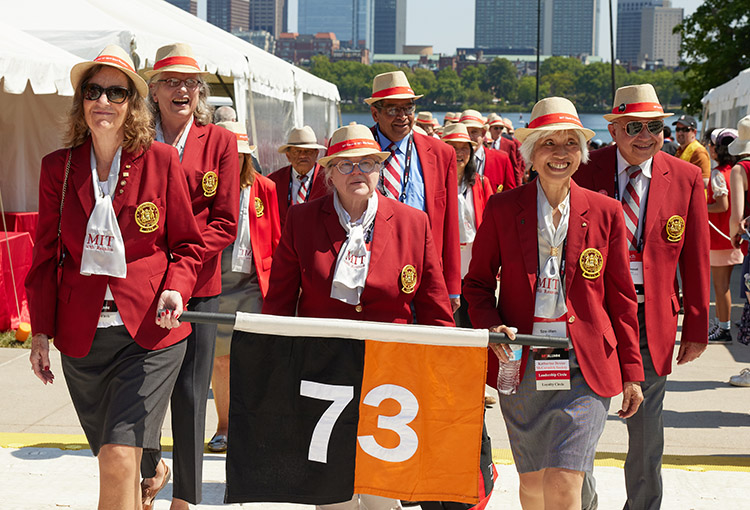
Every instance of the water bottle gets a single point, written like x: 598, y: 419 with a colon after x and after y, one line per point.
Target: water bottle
x: 509, y: 375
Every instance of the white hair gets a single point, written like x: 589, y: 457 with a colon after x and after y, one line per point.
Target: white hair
x: 225, y: 114
x: 527, y: 146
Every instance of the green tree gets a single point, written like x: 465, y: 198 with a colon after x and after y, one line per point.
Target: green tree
x: 715, y: 47
x: 501, y: 78
x: 594, y: 86
x: 449, y: 90
x: 474, y: 77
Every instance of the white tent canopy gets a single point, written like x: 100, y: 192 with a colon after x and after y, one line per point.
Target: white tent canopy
x: 726, y: 104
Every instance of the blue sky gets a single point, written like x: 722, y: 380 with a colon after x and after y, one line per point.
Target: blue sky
x: 448, y: 24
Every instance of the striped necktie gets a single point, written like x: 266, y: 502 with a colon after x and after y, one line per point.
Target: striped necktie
x: 392, y: 174
x: 631, y: 205
x: 302, y: 192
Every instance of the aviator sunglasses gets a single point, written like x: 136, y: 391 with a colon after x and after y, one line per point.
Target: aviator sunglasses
x: 366, y: 166
x: 115, y: 94
x: 634, y: 127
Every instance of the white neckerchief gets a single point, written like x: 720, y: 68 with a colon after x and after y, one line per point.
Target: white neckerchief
x: 479, y: 157
x: 180, y: 146
x: 466, y: 221
x: 103, y: 247
x: 353, y: 260
x: 550, y: 239
x: 242, y: 253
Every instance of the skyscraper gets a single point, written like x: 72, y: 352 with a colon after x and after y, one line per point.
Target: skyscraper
x: 229, y: 14
x: 389, y: 26
x: 658, y: 43
x: 568, y: 27
x: 268, y: 15
x: 629, y: 28
x: 190, y: 6
x: 350, y: 20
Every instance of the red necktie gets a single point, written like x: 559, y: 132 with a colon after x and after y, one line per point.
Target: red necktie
x: 392, y: 174
x: 631, y: 205
x: 302, y: 192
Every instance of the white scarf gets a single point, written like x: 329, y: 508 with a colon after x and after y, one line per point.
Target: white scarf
x: 242, y: 253
x: 103, y: 248
x: 180, y: 145
x: 353, y: 260
x: 466, y: 224
x: 550, y: 305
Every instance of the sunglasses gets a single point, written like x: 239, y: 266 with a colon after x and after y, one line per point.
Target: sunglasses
x: 394, y: 111
x: 366, y: 166
x: 683, y: 129
x: 173, y: 83
x: 117, y: 95
x: 634, y: 127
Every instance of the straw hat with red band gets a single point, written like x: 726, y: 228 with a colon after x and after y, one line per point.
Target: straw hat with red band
x: 472, y: 118
x: 457, y: 133
x: 637, y: 101
x: 302, y: 138
x: 392, y: 85
x: 112, y: 56
x: 353, y: 141
x: 554, y: 114
x: 425, y: 118
x: 493, y: 119
x: 176, y: 58
x: 449, y: 117
x: 239, y: 131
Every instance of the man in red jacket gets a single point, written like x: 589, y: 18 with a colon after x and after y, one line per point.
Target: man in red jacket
x: 493, y: 164
x: 421, y: 171
x: 301, y: 180
x: 665, y: 213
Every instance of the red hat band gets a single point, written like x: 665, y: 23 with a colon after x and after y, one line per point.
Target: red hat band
x: 625, y: 109
x: 177, y: 61
x: 554, y: 118
x: 111, y: 59
x: 393, y: 91
x: 355, y: 143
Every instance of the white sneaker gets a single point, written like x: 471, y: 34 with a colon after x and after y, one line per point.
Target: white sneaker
x: 741, y: 380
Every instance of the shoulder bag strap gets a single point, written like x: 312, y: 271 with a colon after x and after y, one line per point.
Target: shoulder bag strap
x: 60, y: 251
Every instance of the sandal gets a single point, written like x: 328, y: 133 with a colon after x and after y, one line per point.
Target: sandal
x: 218, y: 443
x: 148, y: 494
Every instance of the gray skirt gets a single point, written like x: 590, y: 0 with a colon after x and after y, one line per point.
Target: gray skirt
x: 120, y: 390
x: 554, y: 429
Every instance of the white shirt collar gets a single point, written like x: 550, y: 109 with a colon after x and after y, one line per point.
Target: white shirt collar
x: 385, y: 141
x: 479, y: 153
x: 623, y: 165
x: 546, y: 210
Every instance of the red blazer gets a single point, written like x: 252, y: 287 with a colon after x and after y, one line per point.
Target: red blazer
x: 676, y: 189
x: 167, y: 258
x: 264, y: 227
x: 516, y: 160
x: 213, y: 149
x: 304, y: 262
x: 498, y: 169
x: 602, y: 312
x: 281, y: 178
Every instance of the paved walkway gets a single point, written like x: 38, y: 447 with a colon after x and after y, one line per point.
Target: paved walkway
x: 45, y: 462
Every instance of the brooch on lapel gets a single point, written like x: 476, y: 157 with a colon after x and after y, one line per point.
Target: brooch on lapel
x: 591, y: 262
x: 210, y: 183
x: 675, y: 228
x: 408, y: 279
x: 259, y: 207
x: 147, y: 217
x: 499, y: 188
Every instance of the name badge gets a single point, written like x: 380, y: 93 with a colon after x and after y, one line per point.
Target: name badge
x: 552, y: 369
x: 636, y: 267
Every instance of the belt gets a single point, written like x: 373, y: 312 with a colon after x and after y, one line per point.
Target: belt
x: 109, y: 306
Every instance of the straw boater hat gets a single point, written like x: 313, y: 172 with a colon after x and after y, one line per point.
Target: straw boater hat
x: 472, y: 118
x: 508, y: 123
x: 435, y: 123
x: 419, y: 130
x: 637, y: 101
x: 243, y: 145
x: 425, y: 118
x: 742, y: 144
x: 493, y: 119
x: 353, y: 141
x: 177, y: 58
x: 112, y: 56
x: 449, y: 117
x: 302, y: 138
x: 554, y: 114
x: 392, y: 85
x: 457, y: 133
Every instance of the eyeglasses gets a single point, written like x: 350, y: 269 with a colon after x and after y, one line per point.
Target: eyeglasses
x: 366, y: 166
x: 115, y: 94
x: 173, y: 83
x: 634, y: 127
x: 397, y: 111
x: 683, y: 129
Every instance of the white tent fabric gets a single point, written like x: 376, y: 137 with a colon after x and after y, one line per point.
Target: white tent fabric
x: 726, y: 104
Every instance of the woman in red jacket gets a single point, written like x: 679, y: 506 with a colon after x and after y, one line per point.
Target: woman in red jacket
x: 564, y: 271
x: 179, y: 99
x: 245, y: 267
x: 116, y: 242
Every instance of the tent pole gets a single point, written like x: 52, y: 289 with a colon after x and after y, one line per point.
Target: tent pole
x: 224, y: 86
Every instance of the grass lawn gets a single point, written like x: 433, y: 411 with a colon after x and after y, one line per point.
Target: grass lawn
x: 8, y: 339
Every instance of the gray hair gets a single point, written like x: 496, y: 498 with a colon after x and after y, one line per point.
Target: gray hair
x: 225, y: 114
x: 527, y: 146
x: 203, y: 111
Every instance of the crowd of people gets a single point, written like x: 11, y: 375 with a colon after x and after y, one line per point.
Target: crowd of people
x: 156, y: 206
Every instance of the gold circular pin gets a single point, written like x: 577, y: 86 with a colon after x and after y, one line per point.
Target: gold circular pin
x: 259, y: 207
x: 408, y: 279
x: 210, y: 183
x: 591, y: 262
x: 675, y: 228
x: 147, y: 217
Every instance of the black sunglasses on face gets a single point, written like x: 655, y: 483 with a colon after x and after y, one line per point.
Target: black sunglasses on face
x: 683, y: 129
x: 634, y: 127
x: 115, y: 94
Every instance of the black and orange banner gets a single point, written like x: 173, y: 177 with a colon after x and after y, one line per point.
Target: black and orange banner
x: 316, y: 420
